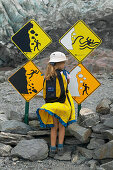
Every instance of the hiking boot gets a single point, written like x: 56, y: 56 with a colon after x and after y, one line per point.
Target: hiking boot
x: 60, y: 150
x: 52, y: 152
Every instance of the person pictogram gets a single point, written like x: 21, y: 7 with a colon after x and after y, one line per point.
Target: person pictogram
x: 86, y: 88
x: 37, y: 43
x: 33, y: 72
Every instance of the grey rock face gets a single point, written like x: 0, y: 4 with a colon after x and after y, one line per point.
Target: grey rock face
x: 105, y: 151
x: 13, y: 126
x: 35, y: 149
x: 99, y: 128
x: 79, y: 132
x: 13, y: 115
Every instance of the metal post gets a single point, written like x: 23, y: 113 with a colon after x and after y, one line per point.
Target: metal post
x: 26, y: 112
x: 79, y: 108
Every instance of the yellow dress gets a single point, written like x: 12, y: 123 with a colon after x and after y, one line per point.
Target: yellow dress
x: 64, y: 112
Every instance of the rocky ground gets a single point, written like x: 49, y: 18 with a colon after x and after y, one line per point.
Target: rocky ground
x: 79, y: 149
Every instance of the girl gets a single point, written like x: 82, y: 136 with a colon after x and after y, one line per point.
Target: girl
x: 57, y: 115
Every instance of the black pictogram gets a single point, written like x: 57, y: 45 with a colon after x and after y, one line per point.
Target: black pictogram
x: 89, y: 43
x: 86, y: 88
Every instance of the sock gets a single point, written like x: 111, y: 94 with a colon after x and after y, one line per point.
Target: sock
x: 53, y: 148
x: 60, y: 145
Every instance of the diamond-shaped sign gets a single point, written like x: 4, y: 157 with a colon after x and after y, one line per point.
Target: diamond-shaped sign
x: 28, y: 81
x: 31, y: 39
x: 82, y: 83
x: 80, y: 40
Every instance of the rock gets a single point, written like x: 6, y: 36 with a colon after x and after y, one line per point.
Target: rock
x: 39, y: 133
x: 104, y: 106
x: 13, y: 139
x: 79, y: 132
x: 108, y: 166
x: 88, y: 118
x: 111, y: 110
x: 72, y: 141
x: 95, y: 143
x: 2, y: 112
x: 108, y: 134
x: 109, y: 122
x: 13, y: 115
x: 34, y: 149
x: 85, y: 152
x: 2, y: 79
x: 13, y: 126
x: 92, y: 164
x: 5, y: 149
x: 98, y: 135
x: 34, y: 123
x: 99, y: 128
x: 65, y: 157
x: 3, y: 117
x: 104, y: 117
x: 105, y: 151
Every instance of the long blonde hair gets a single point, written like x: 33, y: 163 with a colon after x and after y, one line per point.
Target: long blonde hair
x: 50, y: 70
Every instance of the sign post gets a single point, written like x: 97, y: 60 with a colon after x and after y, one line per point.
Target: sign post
x: 26, y: 112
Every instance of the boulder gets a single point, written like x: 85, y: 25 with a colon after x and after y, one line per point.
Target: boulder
x: 95, y: 143
x: 104, y: 106
x: 2, y: 79
x: 13, y: 115
x: 79, y: 132
x: 109, y: 122
x: 108, y: 166
x: 108, y: 134
x: 39, y: 133
x: 105, y: 151
x: 85, y: 152
x: 12, y: 139
x: 88, y: 118
x: 13, y: 126
x: 3, y: 117
x: 34, y: 149
x: 99, y: 128
x: 5, y: 149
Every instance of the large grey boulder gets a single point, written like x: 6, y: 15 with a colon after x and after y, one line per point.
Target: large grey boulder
x: 104, y: 106
x: 13, y: 126
x: 79, y: 132
x: 5, y: 149
x: 105, y: 151
x: 35, y: 149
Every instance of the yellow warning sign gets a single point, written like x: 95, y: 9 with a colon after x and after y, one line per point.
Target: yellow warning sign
x: 28, y: 81
x: 80, y: 40
x: 82, y: 83
x: 31, y: 39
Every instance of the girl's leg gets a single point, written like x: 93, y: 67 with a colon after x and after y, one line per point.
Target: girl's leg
x: 61, y: 133
x: 54, y: 132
